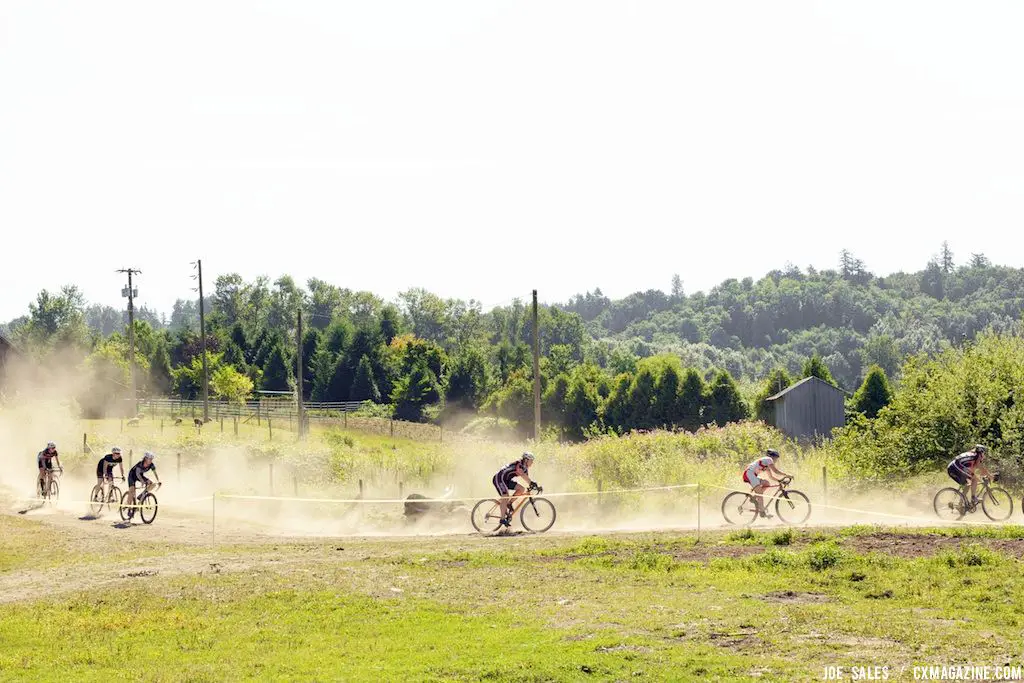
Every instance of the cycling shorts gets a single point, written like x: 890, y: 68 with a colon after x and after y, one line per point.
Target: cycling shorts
x: 751, y: 478
x: 503, y: 485
x: 45, y: 462
x: 957, y: 474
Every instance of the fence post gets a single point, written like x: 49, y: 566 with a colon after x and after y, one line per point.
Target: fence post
x: 258, y: 423
x: 698, y: 511
x: 161, y: 426
x: 392, y: 428
x: 222, y: 425
x: 295, y: 486
x: 271, y: 428
x: 824, y: 484
x: 122, y: 424
x: 179, y: 468
x: 236, y: 425
x: 344, y: 416
x: 85, y: 443
x: 600, y: 488
x: 271, y: 478
x: 401, y: 486
x: 360, y: 488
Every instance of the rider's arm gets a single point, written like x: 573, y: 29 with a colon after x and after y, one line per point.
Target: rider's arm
x: 156, y: 476
x: 120, y: 466
x: 57, y: 458
x: 775, y: 470
x: 520, y: 472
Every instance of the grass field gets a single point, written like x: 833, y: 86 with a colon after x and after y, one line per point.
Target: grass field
x: 88, y: 604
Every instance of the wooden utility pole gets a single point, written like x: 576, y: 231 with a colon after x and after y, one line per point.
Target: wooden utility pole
x: 130, y: 293
x: 202, y: 338
x: 536, y: 371
x: 298, y: 376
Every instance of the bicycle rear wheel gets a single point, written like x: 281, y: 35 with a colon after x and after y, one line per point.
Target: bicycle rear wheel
x: 950, y: 504
x: 997, y: 504
x: 793, y: 507
x: 537, y: 514
x: 739, y: 508
x: 97, y: 500
x: 148, y: 508
x: 486, y: 516
x: 123, y: 507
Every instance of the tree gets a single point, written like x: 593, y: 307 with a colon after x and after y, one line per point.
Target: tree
x: 277, y: 372
x: 641, y: 399
x: 390, y: 323
x: 56, y: 321
x: 364, y: 387
x: 340, y: 383
x: 414, y: 392
x: 724, y: 404
x: 467, y: 380
x: 160, y: 375
x: 776, y: 382
x: 310, y: 343
x: 554, y: 400
x: 229, y: 384
x: 617, y: 407
x: 677, y: 288
x: 874, y: 394
x: 815, y: 367
x: 946, y: 259
x: 691, y: 401
x: 582, y: 405
x: 666, y: 400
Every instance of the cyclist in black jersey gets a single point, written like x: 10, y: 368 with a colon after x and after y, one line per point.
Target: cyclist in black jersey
x: 105, y: 466
x: 504, y: 480
x: 44, y: 460
x: 138, y: 474
x: 967, y: 466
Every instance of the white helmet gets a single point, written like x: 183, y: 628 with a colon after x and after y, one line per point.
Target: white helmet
x: 50, y: 444
x: 528, y: 456
x: 150, y: 455
x: 116, y: 450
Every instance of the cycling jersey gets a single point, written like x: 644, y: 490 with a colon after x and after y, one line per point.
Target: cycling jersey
x: 45, y: 459
x: 105, y: 466
x: 138, y: 473
x: 505, y: 477
x: 755, y: 468
x: 965, y: 461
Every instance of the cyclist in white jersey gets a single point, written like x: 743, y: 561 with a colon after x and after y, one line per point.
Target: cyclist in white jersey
x: 757, y: 483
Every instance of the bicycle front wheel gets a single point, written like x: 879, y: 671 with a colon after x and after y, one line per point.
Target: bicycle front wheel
x: 486, y: 516
x: 123, y: 507
x: 793, y: 507
x: 950, y: 504
x: 148, y: 508
x: 54, y: 490
x: 96, y: 500
x: 114, y: 497
x: 997, y: 504
x: 537, y: 514
x: 739, y: 508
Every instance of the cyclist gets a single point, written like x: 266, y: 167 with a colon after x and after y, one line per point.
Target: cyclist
x: 758, y: 484
x: 105, y: 466
x: 965, y: 468
x: 504, y: 480
x: 45, y: 460
x: 138, y: 473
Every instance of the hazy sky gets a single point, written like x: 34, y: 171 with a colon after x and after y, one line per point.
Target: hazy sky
x: 483, y: 149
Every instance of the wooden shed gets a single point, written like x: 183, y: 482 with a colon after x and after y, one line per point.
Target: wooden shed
x: 809, y: 410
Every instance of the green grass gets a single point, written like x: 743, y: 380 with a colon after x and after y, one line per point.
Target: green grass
x: 628, y: 606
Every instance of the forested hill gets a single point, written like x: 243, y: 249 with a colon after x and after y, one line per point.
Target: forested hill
x: 429, y: 357
x: 848, y: 315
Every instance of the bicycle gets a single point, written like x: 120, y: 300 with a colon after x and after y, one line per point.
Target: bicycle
x: 952, y: 504
x: 535, y: 514
x: 99, y: 497
x: 791, y: 506
x: 49, y: 489
x: 146, y: 503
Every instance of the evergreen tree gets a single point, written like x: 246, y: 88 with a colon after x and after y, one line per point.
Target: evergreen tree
x: 467, y: 380
x: 874, y: 394
x: 338, y: 335
x: 581, y: 410
x: 691, y: 401
x: 310, y: 344
x: 617, y: 406
x: 277, y: 372
x: 666, y: 400
x: 323, y: 373
x: 390, y: 323
x: 815, y: 367
x: 554, y: 400
x: 414, y: 392
x: 161, y: 376
x: 725, y: 404
x: 641, y: 399
x: 364, y: 387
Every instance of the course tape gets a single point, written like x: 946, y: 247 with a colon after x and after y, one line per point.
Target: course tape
x: 876, y: 513
x: 450, y: 500
x: 70, y: 501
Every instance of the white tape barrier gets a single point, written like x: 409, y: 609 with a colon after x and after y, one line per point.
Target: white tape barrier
x: 42, y: 502
x: 385, y: 501
x: 873, y: 512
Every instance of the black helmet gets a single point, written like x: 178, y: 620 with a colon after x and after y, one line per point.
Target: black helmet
x: 980, y: 450
x: 772, y: 452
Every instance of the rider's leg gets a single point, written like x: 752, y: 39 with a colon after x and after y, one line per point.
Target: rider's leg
x: 974, y: 487
x: 515, y: 494
x: 759, y: 496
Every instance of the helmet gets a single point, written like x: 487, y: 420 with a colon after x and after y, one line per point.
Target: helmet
x: 148, y: 455
x: 50, y: 444
x: 116, y: 450
x: 771, y: 452
x: 980, y: 450
x: 528, y: 456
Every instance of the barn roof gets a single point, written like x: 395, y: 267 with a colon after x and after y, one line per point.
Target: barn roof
x: 805, y: 381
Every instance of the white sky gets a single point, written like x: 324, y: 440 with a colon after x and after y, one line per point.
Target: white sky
x: 482, y: 149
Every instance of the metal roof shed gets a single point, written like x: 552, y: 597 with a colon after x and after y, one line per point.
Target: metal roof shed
x: 809, y: 410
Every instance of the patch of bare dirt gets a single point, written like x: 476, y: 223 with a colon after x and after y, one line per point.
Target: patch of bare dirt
x: 792, y: 597
x: 920, y: 545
